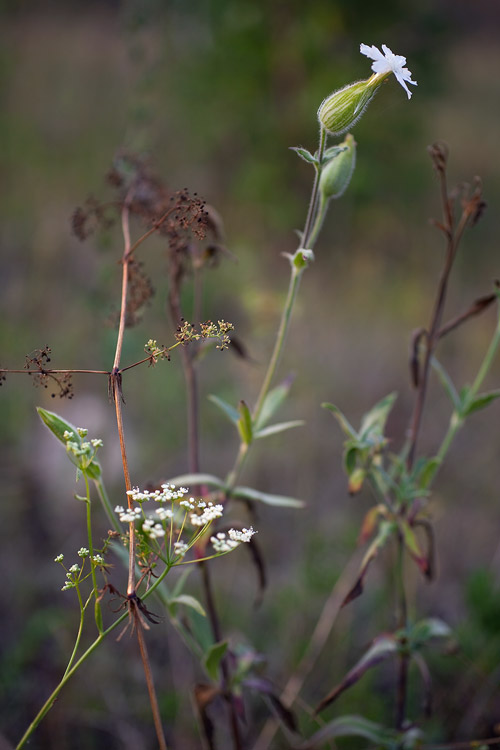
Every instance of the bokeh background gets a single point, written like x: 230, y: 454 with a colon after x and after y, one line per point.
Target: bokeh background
x: 212, y: 94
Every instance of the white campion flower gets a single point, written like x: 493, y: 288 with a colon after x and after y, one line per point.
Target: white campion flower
x: 388, y: 62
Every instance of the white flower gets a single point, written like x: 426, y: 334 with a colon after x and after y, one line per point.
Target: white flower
x: 388, y: 62
x: 59, y: 558
x: 241, y: 536
x: 83, y: 552
x: 180, y: 548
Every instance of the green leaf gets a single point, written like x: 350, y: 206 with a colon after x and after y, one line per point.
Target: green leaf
x: 353, y: 726
x: 381, y: 649
x: 350, y: 457
x: 344, y: 423
x: 188, y: 601
x: 245, y: 425
x: 480, y: 402
x: 426, y: 471
x: 304, y: 154
x: 273, y: 401
x: 191, y: 479
x: 385, y: 531
x: 247, y: 493
x: 230, y: 412
x: 213, y: 658
x: 413, y: 547
x: 57, y: 425
x: 447, y: 384
x: 279, y: 427
x: 432, y: 627
x: 375, y: 419
x: 333, y: 152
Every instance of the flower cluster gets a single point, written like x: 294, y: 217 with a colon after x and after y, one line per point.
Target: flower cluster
x: 170, y: 531
x: 222, y: 543
x: 82, y: 450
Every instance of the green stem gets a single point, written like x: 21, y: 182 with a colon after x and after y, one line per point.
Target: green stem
x: 68, y: 674
x: 97, y: 606
x: 106, y: 504
x: 318, y: 223
x: 311, y: 214
x: 293, y: 287
x: 457, y: 420
x: 402, y: 624
x: 79, y: 633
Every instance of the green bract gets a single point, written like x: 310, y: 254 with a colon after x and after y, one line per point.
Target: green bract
x: 336, y: 174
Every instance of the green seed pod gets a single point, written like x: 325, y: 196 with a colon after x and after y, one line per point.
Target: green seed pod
x: 339, y: 111
x: 336, y: 174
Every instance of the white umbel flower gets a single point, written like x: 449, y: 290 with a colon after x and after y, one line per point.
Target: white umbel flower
x: 388, y: 62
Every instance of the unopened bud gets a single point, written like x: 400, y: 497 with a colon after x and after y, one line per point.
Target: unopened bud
x: 343, y: 108
x: 336, y: 174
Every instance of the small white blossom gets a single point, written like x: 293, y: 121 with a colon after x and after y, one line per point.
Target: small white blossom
x: 187, y: 504
x: 59, y: 558
x: 180, y: 548
x: 209, y: 514
x: 68, y: 435
x: 220, y: 543
x: 83, y: 552
x: 241, y: 536
x: 74, y: 568
x: 129, y: 515
x: 163, y: 513
x: 98, y: 559
x: 388, y: 62
x: 97, y: 443
x: 152, y: 529
x: 81, y: 431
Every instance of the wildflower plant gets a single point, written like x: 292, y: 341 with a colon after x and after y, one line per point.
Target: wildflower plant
x: 167, y: 525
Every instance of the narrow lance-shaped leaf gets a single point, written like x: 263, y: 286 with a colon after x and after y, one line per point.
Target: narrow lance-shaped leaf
x: 342, y: 420
x: 265, y: 687
x: 375, y: 419
x: 245, y: 426
x: 381, y: 649
x: 248, y: 493
x: 188, y: 601
x: 273, y: 429
x: 385, y: 531
x: 352, y: 726
x: 213, y: 658
x: 273, y: 401
x: 411, y: 544
x: 58, y: 426
x: 229, y: 411
x: 193, y: 479
x: 480, y: 402
x: 447, y: 384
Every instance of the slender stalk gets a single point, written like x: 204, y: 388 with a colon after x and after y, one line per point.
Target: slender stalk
x: 311, y: 214
x: 67, y: 676
x: 150, y: 683
x: 280, y: 340
x: 402, y: 689
x: 97, y: 606
x: 78, y: 634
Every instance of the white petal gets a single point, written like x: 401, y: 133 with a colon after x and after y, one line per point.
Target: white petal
x: 372, y: 52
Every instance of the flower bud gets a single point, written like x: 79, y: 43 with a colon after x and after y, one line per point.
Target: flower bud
x: 336, y: 174
x: 339, y: 111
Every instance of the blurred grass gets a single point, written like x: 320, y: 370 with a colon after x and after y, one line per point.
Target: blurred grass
x: 215, y: 92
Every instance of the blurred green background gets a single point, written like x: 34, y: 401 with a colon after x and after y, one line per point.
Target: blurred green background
x: 213, y: 93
